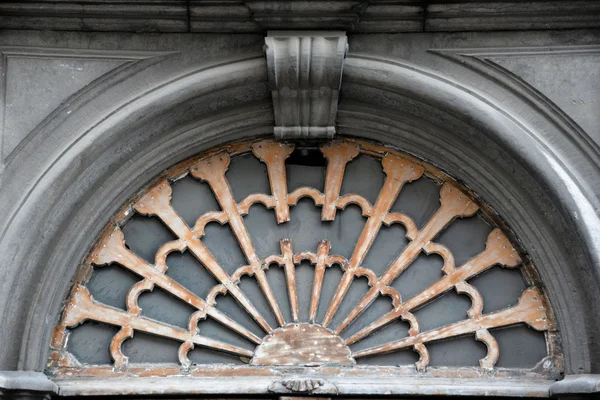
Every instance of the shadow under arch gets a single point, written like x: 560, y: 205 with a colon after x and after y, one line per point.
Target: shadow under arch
x: 62, y: 204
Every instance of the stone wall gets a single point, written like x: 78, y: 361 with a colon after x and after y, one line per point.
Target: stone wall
x: 92, y: 109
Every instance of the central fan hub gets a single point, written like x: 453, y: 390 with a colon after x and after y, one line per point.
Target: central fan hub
x: 302, y: 344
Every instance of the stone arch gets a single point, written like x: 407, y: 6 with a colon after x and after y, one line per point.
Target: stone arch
x: 113, y: 141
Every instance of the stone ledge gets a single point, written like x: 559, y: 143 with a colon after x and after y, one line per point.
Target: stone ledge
x: 39, y: 382
x: 576, y: 384
x: 26, y: 380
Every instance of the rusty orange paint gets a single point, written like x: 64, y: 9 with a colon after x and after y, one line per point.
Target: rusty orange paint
x: 157, y: 202
x: 529, y: 310
x: 338, y: 154
x: 498, y: 251
x: 456, y: 202
x: 274, y: 154
x: 453, y: 204
x: 302, y: 344
x: 398, y: 171
x: 213, y: 170
x: 83, y: 307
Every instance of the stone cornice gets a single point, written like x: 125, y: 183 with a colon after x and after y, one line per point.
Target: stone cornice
x: 230, y: 16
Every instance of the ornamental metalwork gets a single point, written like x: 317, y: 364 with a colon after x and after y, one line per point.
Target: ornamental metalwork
x: 314, y: 341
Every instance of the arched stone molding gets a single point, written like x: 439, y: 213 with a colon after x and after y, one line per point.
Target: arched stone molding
x: 535, y: 172
x: 115, y: 134
x: 58, y: 195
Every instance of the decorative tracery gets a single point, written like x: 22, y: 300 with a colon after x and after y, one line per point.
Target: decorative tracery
x: 295, y: 341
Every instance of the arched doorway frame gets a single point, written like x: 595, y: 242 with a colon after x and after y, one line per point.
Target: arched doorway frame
x: 106, y: 150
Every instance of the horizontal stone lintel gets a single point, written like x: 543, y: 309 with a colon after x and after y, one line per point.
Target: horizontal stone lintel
x: 341, y: 386
x: 259, y: 16
x: 39, y: 382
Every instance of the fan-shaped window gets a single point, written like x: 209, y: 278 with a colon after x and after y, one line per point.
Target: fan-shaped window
x: 335, y: 263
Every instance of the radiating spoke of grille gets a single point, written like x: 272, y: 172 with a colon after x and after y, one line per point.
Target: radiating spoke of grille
x: 321, y: 329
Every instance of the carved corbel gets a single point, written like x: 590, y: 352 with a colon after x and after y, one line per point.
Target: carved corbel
x: 305, y: 74
x: 302, y: 385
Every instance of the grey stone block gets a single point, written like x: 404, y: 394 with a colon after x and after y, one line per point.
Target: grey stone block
x: 26, y: 380
x: 575, y: 385
x: 36, y: 85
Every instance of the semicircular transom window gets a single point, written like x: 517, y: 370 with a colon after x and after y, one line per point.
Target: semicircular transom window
x: 342, y: 256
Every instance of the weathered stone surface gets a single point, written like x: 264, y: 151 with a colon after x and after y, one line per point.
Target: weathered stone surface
x: 570, y: 78
x: 562, y: 72
x: 258, y: 16
x: 414, y: 91
x: 102, y: 15
x: 50, y: 81
x: 501, y: 15
x: 576, y: 384
x: 26, y: 380
x: 115, y: 96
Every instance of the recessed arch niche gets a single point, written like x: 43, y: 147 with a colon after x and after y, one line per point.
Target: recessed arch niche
x: 341, y: 259
x: 107, y: 146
